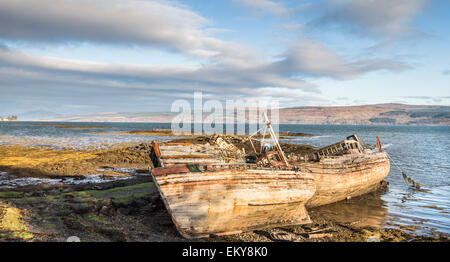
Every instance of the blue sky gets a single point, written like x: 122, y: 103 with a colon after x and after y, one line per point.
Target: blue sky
x: 81, y: 57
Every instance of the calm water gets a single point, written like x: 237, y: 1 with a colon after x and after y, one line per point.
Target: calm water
x: 422, y: 152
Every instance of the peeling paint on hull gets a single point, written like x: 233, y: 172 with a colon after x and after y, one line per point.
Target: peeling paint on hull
x: 338, y: 182
x: 222, y: 195
x: 230, y: 201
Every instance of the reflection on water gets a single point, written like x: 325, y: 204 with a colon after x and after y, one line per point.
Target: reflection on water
x: 367, y: 210
x: 427, y: 209
x: 421, y: 151
x: 50, y: 136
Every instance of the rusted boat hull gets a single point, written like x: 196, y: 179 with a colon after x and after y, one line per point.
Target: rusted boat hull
x: 336, y: 182
x: 232, y: 201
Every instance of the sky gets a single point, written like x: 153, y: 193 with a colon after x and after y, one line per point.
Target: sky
x: 88, y: 56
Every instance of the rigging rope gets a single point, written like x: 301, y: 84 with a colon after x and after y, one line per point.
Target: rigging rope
x: 405, y: 177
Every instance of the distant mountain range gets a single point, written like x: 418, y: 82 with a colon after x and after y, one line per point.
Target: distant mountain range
x: 37, y: 114
x: 379, y: 114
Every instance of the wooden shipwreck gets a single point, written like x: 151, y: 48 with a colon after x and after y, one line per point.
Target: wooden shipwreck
x: 217, y: 188
x: 343, y: 170
x: 206, y: 193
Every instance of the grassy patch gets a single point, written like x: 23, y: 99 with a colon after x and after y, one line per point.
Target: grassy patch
x: 117, y: 190
x: 13, y: 225
x: 12, y: 219
x: 49, y: 225
x: 128, y: 198
x: 122, y: 194
x: 21, y: 235
x: 11, y: 194
x: 90, y: 217
x: 46, y: 199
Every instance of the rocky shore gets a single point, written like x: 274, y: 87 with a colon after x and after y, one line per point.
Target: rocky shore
x: 131, y: 209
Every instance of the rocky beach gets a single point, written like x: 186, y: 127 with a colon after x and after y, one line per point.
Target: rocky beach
x: 108, y: 195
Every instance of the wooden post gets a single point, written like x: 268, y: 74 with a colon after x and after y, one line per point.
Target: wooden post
x: 156, y: 148
x: 378, y: 144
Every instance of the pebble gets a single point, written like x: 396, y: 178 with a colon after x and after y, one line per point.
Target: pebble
x: 73, y: 239
x: 373, y: 239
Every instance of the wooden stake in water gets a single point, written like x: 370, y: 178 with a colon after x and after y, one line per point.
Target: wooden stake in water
x: 378, y: 144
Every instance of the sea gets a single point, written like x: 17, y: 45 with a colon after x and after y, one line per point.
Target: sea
x: 422, y: 152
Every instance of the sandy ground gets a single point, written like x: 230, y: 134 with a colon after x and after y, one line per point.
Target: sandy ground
x: 131, y: 209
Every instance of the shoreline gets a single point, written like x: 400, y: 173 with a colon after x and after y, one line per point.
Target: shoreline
x: 131, y: 209
x: 64, y: 122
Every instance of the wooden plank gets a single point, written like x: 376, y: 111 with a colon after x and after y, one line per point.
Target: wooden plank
x: 192, y: 160
x: 185, y: 156
x: 170, y: 170
x: 179, y: 144
x: 187, y: 152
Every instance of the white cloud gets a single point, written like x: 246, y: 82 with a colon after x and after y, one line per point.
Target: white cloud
x: 217, y: 78
x: 263, y: 6
x: 370, y: 17
x: 162, y: 24
x: 54, y: 81
x: 311, y: 58
x: 232, y: 69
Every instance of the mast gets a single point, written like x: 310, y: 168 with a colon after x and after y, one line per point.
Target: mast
x: 274, y: 138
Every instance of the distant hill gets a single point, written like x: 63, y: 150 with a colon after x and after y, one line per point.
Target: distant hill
x: 379, y: 114
x: 155, y: 117
x: 37, y: 114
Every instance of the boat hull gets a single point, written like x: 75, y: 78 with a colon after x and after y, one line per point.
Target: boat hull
x: 336, y: 182
x: 232, y: 201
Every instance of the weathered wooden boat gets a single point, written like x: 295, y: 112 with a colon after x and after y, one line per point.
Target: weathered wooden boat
x: 216, y: 188
x: 207, y: 191
x: 343, y: 170
x: 346, y: 177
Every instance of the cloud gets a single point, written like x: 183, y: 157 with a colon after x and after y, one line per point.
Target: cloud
x: 263, y: 6
x: 435, y: 99
x: 174, y: 27
x: 419, y: 97
x: 368, y: 17
x: 342, y: 98
x: 359, y: 101
x: 446, y: 72
x: 127, y: 22
x: 231, y: 69
x: 306, y: 60
x: 161, y: 24
x: 291, y: 27
x: 47, y: 75
x: 310, y: 58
